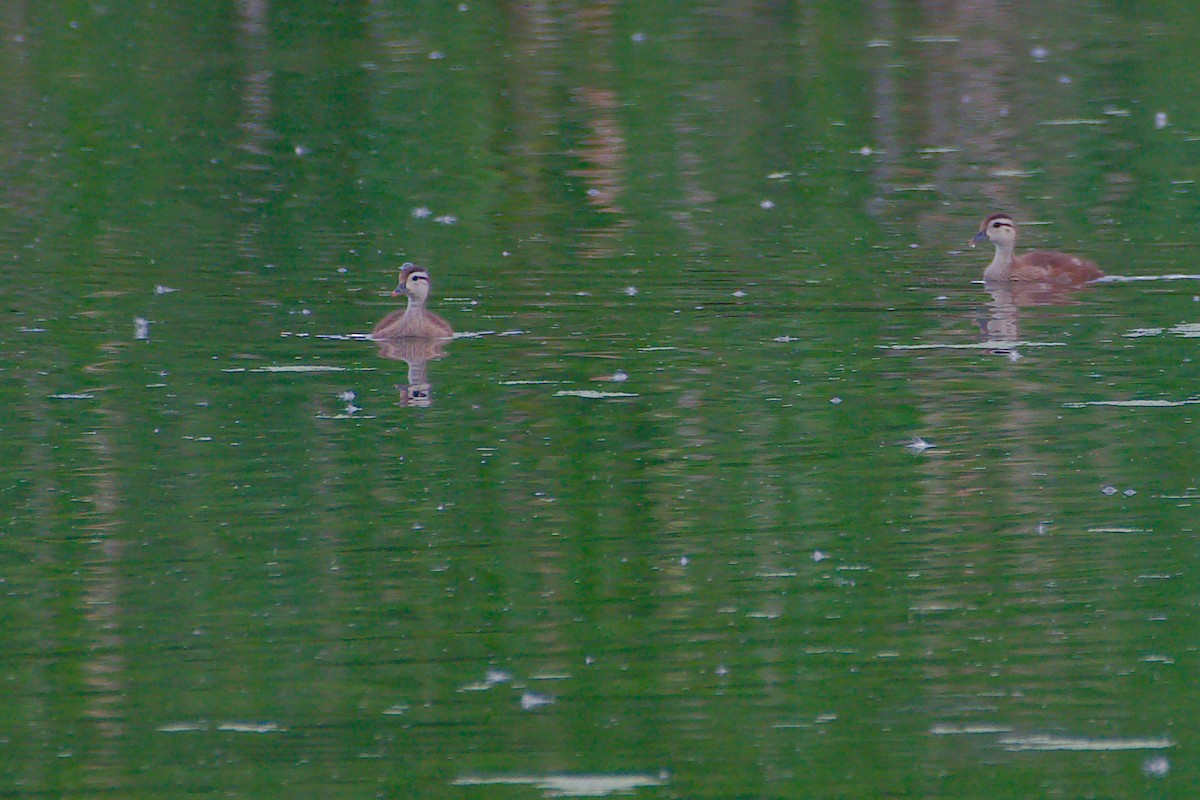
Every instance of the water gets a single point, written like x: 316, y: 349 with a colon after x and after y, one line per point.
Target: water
x: 735, y: 482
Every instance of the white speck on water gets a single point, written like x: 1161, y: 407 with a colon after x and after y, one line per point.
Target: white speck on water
x: 1130, y: 492
x: 1065, y: 80
x: 637, y: 37
x: 1156, y: 766
x: 739, y: 293
x: 495, y: 676
x: 1160, y: 120
x: 631, y: 291
x: 78, y: 396
x: 778, y: 176
x: 785, y: 339
x: 683, y: 561
x: 1039, y: 53
x: 919, y: 445
x: 766, y: 205
x: 835, y: 400
x: 819, y: 555
x: 446, y: 219
x: 301, y: 151
x: 421, y: 212
x: 1109, y: 490
x: 160, y: 289
x: 437, y: 55
x: 141, y: 328
x: 721, y: 670
x: 865, y: 150
x: 347, y: 396
x: 620, y: 376
x: 532, y: 700
x: 879, y: 43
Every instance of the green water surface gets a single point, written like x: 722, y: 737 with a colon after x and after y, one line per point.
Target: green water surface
x: 660, y: 520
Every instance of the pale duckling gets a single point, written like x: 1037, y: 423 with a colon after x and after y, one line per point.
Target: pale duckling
x: 414, y: 320
x: 1042, y: 266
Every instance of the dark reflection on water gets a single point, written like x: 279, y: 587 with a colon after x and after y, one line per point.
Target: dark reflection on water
x: 659, y: 524
x: 416, y: 353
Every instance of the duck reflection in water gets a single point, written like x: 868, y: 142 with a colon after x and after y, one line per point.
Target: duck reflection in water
x: 413, y: 335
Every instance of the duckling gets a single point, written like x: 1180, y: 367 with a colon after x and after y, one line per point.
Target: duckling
x: 414, y: 320
x: 1041, y: 266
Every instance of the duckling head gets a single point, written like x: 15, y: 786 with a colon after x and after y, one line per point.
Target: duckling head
x: 999, y: 229
x: 414, y: 282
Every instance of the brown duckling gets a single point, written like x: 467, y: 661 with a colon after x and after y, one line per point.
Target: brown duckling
x: 1043, y: 266
x: 414, y: 320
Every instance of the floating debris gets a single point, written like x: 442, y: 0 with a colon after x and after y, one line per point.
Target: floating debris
x: 1079, y: 743
x: 183, y: 727
x: 1171, y: 276
x: 1134, y: 403
x: 141, y: 328
x: 1074, y: 121
x: 988, y: 345
x: 591, y: 394
x: 75, y: 396
x: 250, y: 727
x: 297, y: 368
x: 160, y: 289
x: 946, y: 729
x: 568, y: 785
